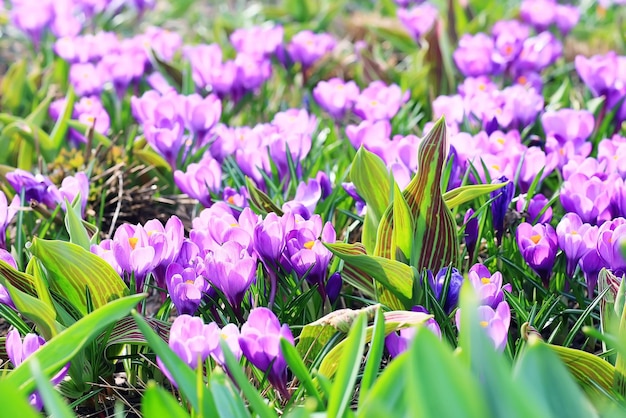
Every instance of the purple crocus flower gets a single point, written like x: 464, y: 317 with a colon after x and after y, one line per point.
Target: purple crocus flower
x: 508, y: 38
x: 350, y: 189
x: 538, y: 245
x: 333, y: 287
x: 247, y: 40
x: 454, y: 287
x: 473, y: 56
x: 5, y: 296
x: 488, y: 286
x: 231, y: 270
x: 587, y: 196
x: 269, y: 239
x: 471, y: 232
x: 133, y: 252
x: 570, y: 232
x: 502, y: 198
x: 591, y: 263
x: 539, y: 13
x: 86, y: 79
x: 538, y: 52
x: 379, y: 101
x: 7, y: 212
x: 601, y: 75
x: 495, y: 321
x: 336, y: 96
x: 191, y: 340
x: 397, y: 342
x: 536, y: 205
x: 200, y: 179
x: 185, y: 288
x: 418, y: 20
x: 611, y: 238
x: 91, y: 112
x: 566, y: 17
x: 260, y: 343
x: 32, y: 17
x: 230, y: 334
x: 307, y: 47
x: 368, y: 133
x: 18, y: 351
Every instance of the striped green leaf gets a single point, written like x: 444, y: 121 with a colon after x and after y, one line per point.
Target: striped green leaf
x: 62, y: 348
x: 435, y: 241
x: 74, y: 224
x: 394, y: 276
x: 463, y: 194
x: 394, y: 320
x: 373, y: 183
x: 33, y: 309
x: 593, y: 374
x: 126, y: 331
x: 316, y: 335
x: 21, y: 281
x: 357, y: 278
x: 72, y: 269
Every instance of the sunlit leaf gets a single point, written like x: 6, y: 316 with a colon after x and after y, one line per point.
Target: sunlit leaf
x: 463, y: 194
x: 261, y: 200
x: 157, y: 402
x: 71, y: 269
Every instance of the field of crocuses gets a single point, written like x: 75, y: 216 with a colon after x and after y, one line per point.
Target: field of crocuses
x: 309, y: 208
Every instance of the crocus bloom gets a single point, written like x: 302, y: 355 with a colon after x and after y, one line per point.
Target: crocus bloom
x: 536, y: 205
x: 454, y: 287
x: 7, y: 212
x: 611, y: 238
x: 570, y: 232
x: 185, y: 288
x: 473, y: 56
x: 539, y: 13
x: 418, y: 20
x: 566, y: 17
x: 471, y: 232
x: 19, y: 350
x: 538, y: 245
x: 307, y: 47
x: 488, y: 286
x: 230, y: 334
x: 191, y: 340
x: 379, y: 101
x: 200, y: 180
x: 398, y: 341
x: 247, y: 40
x: 538, y: 52
x: 502, y: 198
x: 496, y: 323
x: 85, y: 79
x: 591, y: 263
x: 336, y: 96
x: 5, y: 297
x: 269, y: 239
x: 586, y: 196
x: 260, y: 343
x: 231, y: 270
x: 333, y: 287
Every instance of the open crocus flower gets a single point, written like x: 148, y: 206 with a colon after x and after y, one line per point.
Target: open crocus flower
x: 570, y: 232
x: 398, y: 341
x: 260, y: 343
x: 19, y: 350
x: 336, y: 96
x: 185, y: 287
x: 538, y: 245
x: 230, y: 334
x: 495, y: 321
x: 488, y: 286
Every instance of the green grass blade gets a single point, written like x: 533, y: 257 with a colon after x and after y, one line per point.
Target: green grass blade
x: 374, y: 356
x: 157, y: 402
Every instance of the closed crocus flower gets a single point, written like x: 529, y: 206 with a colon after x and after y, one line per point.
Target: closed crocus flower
x: 570, y: 232
x: 471, y: 232
x: 500, y: 205
x: 591, y: 263
x: 336, y: 96
x: 260, y: 343
x: 191, y: 340
x: 418, y: 20
x: 611, y: 238
x: 454, y: 287
x: 538, y: 52
x: 307, y: 47
x: 7, y: 212
x: 368, y: 134
x: 538, y: 245
x: 269, y: 239
x: 537, y: 204
x: 200, y: 180
x: 473, y: 56
x: 19, y: 350
x: 495, y: 322
x: 566, y: 17
x: 231, y: 270
x: 586, y: 196
x: 539, y: 13
x: 488, y: 286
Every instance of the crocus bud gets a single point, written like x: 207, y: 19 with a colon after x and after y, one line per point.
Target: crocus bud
x: 611, y: 237
x: 570, y: 232
x: 536, y: 205
x: 538, y: 245
x: 260, y: 343
x: 333, y: 287
x: 471, y: 232
x: 500, y: 205
x: 454, y: 287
